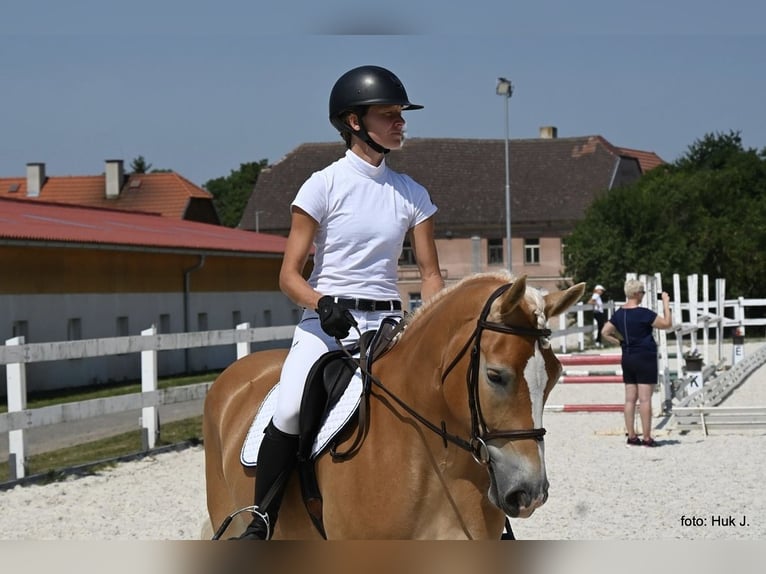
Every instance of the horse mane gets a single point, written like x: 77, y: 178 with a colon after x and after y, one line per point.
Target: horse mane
x: 533, y: 296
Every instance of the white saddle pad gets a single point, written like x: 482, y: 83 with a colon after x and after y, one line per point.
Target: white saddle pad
x: 338, y: 416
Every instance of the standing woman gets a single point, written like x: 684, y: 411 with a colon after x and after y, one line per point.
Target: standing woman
x: 356, y: 213
x: 635, y: 325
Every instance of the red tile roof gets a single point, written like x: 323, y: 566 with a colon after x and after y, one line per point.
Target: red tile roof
x: 39, y: 221
x: 165, y: 193
x: 646, y: 159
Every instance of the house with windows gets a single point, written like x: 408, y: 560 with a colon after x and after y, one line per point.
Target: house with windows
x: 552, y: 182
x: 71, y: 272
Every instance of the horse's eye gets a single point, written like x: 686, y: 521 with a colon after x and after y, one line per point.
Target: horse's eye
x: 494, y: 376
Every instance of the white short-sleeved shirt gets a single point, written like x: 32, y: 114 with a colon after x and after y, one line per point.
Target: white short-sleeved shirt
x: 598, y: 304
x: 364, y: 213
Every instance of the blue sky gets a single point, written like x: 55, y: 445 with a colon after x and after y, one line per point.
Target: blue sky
x: 201, y: 87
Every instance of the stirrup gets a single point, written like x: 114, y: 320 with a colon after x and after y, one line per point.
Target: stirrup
x: 255, y: 511
x: 264, y: 518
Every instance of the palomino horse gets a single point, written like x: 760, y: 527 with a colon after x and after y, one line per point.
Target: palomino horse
x: 454, y: 440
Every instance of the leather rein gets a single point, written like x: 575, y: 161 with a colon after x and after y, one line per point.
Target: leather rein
x: 480, y: 433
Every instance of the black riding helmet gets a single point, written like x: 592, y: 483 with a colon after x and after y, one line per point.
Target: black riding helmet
x: 360, y: 88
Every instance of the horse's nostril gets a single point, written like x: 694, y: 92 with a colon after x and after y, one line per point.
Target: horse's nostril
x: 517, y: 500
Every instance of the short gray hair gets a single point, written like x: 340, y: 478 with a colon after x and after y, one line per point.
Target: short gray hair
x: 633, y: 286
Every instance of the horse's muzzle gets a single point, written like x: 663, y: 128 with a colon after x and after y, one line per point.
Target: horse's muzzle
x: 522, y: 502
x: 523, y: 506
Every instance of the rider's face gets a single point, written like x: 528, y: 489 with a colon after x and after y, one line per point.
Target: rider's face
x: 385, y: 125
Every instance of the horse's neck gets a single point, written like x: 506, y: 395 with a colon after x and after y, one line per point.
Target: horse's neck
x: 413, y: 369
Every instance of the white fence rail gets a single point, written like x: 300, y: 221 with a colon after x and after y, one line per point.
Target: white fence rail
x: 16, y: 354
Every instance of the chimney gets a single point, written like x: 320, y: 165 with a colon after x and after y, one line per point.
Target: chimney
x: 549, y: 132
x: 114, y: 178
x: 35, y: 179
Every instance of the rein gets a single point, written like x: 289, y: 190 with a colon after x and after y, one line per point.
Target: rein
x: 480, y: 433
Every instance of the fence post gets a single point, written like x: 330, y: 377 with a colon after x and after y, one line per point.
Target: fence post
x: 663, y: 356
x: 243, y: 349
x: 720, y: 311
x: 562, y: 327
x: 149, y: 415
x: 738, y: 345
x: 691, y: 282
x: 678, y: 318
x: 580, y: 325
x: 16, y: 375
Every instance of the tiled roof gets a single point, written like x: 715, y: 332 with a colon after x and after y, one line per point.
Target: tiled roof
x: 552, y: 181
x: 39, y: 221
x: 647, y: 159
x: 168, y: 194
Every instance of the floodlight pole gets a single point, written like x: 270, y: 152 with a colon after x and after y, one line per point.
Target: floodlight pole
x: 505, y: 88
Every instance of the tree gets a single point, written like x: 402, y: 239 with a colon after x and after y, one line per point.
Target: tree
x: 702, y: 214
x: 139, y: 165
x: 231, y: 193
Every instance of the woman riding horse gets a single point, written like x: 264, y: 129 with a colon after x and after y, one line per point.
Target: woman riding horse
x: 356, y: 212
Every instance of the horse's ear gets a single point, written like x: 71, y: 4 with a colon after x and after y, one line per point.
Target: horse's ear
x: 513, y: 296
x: 558, y: 302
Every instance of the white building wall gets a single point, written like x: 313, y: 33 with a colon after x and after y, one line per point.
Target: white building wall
x: 47, y: 318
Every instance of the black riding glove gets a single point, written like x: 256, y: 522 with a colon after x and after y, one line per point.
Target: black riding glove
x: 335, y: 320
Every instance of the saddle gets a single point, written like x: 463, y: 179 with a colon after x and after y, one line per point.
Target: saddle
x: 325, y: 384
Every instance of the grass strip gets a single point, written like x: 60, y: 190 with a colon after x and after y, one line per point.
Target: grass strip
x: 53, y: 464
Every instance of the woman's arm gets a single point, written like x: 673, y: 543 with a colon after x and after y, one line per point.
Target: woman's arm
x: 299, y: 241
x: 666, y: 321
x: 610, y: 333
x: 427, y: 258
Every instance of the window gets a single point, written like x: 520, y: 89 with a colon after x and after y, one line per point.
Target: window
x: 495, y: 251
x: 408, y: 254
x: 267, y: 318
x: 296, y: 314
x: 21, y: 329
x: 74, y: 329
x: 201, y: 321
x: 164, y: 323
x: 532, y: 251
x: 415, y: 300
x: 236, y: 318
x: 563, y: 247
x: 122, y: 327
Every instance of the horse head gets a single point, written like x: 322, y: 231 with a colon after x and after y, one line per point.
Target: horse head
x: 510, y: 374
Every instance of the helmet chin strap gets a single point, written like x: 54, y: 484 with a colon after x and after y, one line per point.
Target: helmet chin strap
x: 366, y: 138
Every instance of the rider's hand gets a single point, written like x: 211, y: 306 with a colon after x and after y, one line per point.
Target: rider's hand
x: 335, y: 320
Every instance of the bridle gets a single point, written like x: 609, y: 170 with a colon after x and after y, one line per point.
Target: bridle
x: 480, y: 433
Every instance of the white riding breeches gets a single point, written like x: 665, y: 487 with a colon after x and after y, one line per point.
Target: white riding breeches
x: 309, y: 343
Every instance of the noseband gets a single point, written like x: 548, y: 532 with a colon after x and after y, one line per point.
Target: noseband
x: 480, y: 433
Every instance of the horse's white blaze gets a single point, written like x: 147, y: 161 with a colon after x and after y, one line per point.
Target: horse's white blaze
x: 537, y: 379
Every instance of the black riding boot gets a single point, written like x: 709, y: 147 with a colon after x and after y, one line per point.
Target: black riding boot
x: 277, y: 458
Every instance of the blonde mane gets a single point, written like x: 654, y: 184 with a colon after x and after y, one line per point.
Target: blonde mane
x: 502, y: 276
x: 533, y: 296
